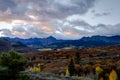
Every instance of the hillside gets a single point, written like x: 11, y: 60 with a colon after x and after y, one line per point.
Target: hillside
x: 6, y: 45
x: 55, y: 61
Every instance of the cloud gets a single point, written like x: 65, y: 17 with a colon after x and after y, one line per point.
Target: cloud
x: 42, y: 18
x: 46, y: 8
x: 6, y: 32
x: 38, y: 18
x: 102, y: 14
x: 77, y: 28
x: 64, y: 8
x: 27, y: 31
x: 5, y: 4
x: 63, y: 29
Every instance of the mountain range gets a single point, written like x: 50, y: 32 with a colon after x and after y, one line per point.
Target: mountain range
x: 6, y: 45
x: 51, y: 42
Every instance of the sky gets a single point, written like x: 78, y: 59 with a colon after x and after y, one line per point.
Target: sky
x: 62, y: 19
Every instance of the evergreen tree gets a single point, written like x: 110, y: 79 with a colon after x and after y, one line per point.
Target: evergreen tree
x: 11, y: 63
x: 77, y: 58
x: 71, y: 68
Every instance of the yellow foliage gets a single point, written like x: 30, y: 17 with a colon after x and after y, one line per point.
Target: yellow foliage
x: 99, y: 70
x: 36, y: 69
x: 67, y: 72
x: 113, y: 75
x: 31, y: 69
x: 38, y: 64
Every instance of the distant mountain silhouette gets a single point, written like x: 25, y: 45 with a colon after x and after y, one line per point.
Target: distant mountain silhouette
x: 6, y: 45
x: 52, y: 42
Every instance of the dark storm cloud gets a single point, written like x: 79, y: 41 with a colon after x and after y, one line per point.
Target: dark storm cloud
x: 47, y: 8
x: 64, y: 8
x: 4, y: 4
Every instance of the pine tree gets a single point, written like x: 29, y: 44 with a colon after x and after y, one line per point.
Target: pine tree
x: 71, y: 68
x: 12, y: 63
x: 77, y: 58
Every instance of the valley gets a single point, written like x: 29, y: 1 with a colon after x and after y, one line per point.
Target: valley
x: 90, y: 58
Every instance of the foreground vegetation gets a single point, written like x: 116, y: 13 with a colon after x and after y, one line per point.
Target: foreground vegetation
x: 11, y: 64
x: 85, y: 64
x: 100, y: 63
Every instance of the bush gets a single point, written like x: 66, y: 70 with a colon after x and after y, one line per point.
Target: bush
x: 23, y: 77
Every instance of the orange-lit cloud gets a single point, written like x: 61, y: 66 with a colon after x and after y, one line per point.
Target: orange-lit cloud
x: 68, y: 33
x: 20, y: 34
x: 45, y: 28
